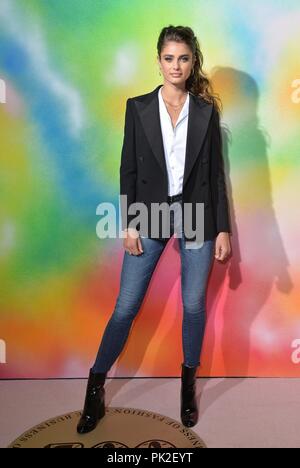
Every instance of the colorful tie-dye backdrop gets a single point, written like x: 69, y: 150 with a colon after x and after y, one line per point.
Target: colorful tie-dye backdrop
x: 66, y: 69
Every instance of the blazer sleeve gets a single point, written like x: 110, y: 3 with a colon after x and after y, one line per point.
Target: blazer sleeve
x: 218, y: 175
x: 128, y: 167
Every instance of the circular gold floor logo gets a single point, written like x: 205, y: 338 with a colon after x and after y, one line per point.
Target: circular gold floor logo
x: 120, y: 428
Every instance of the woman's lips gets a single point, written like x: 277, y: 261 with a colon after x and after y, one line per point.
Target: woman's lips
x: 176, y: 74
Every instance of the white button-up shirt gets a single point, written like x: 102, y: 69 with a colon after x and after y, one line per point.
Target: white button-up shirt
x: 174, y: 143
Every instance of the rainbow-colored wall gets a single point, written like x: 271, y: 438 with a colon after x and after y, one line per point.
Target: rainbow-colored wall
x: 66, y: 70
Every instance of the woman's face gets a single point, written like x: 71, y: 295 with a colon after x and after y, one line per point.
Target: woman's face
x: 176, y: 62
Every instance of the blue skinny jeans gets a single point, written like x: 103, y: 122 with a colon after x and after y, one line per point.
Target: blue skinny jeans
x: 136, y: 274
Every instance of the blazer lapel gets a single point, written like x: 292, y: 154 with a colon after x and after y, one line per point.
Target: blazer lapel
x: 199, y: 115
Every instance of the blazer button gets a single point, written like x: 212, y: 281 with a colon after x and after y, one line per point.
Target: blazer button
x: 144, y: 181
x: 141, y: 158
x: 204, y: 183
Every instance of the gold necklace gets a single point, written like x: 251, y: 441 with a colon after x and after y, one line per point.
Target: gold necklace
x: 172, y: 105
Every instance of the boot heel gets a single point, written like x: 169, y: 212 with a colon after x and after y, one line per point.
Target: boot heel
x: 101, y: 413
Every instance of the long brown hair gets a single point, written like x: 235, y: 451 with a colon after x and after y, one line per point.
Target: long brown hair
x: 198, y: 82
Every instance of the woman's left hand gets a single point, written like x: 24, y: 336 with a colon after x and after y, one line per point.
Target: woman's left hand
x: 222, y: 246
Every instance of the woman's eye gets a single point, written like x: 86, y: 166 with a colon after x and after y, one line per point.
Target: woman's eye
x: 185, y: 59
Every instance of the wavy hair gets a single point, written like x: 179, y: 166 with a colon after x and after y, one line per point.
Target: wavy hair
x: 198, y: 82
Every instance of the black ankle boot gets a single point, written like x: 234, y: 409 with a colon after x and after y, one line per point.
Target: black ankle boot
x: 189, y: 409
x: 94, y: 406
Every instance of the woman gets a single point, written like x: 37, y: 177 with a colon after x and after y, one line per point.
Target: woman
x: 172, y: 152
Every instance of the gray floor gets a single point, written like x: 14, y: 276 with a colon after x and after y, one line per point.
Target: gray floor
x: 234, y: 413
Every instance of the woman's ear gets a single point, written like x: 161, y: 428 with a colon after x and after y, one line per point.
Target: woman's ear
x: 158, y: 63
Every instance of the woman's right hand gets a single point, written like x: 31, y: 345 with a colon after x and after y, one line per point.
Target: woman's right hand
x: 132, y: 242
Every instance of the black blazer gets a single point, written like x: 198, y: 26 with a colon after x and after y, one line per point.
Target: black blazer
x: 143, y: 170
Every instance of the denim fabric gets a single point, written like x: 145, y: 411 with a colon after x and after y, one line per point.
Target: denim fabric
x: 137, y: 270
